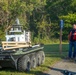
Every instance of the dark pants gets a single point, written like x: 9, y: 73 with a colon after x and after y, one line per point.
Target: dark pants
x: 71, y: 46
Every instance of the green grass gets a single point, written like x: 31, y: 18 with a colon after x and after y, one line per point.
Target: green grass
x: 55, y: 48
x: 40, y: 70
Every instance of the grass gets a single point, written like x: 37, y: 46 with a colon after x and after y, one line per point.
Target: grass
x: 51, y: 58
x: 55, y: 48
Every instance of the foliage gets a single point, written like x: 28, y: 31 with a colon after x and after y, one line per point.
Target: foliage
x: 41, y: 17
x: 69, y: 20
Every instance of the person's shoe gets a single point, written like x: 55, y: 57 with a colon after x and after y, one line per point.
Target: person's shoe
x: 75, y: 58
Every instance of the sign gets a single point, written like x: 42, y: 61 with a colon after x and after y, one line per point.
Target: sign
x: 61, y: 24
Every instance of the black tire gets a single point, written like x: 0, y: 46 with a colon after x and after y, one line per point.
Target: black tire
x: 23, y: 64
x: 33, y: 61
x: 38, y: 59
x: 42, y: 55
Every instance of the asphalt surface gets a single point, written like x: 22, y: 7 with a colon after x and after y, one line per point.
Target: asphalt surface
x: 69, y: 65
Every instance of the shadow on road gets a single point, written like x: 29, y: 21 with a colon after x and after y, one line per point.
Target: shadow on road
x: 64, y: 72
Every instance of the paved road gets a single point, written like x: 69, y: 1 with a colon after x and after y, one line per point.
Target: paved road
x: 65, y: 65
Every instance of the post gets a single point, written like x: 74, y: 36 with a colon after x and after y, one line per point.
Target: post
x: 61, y: 27
x: 60, y: 40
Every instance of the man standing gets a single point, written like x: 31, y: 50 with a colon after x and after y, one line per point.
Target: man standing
x: 72, y: 42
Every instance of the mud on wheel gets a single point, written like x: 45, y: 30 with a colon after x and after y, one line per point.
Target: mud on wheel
x: 23, y: 63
